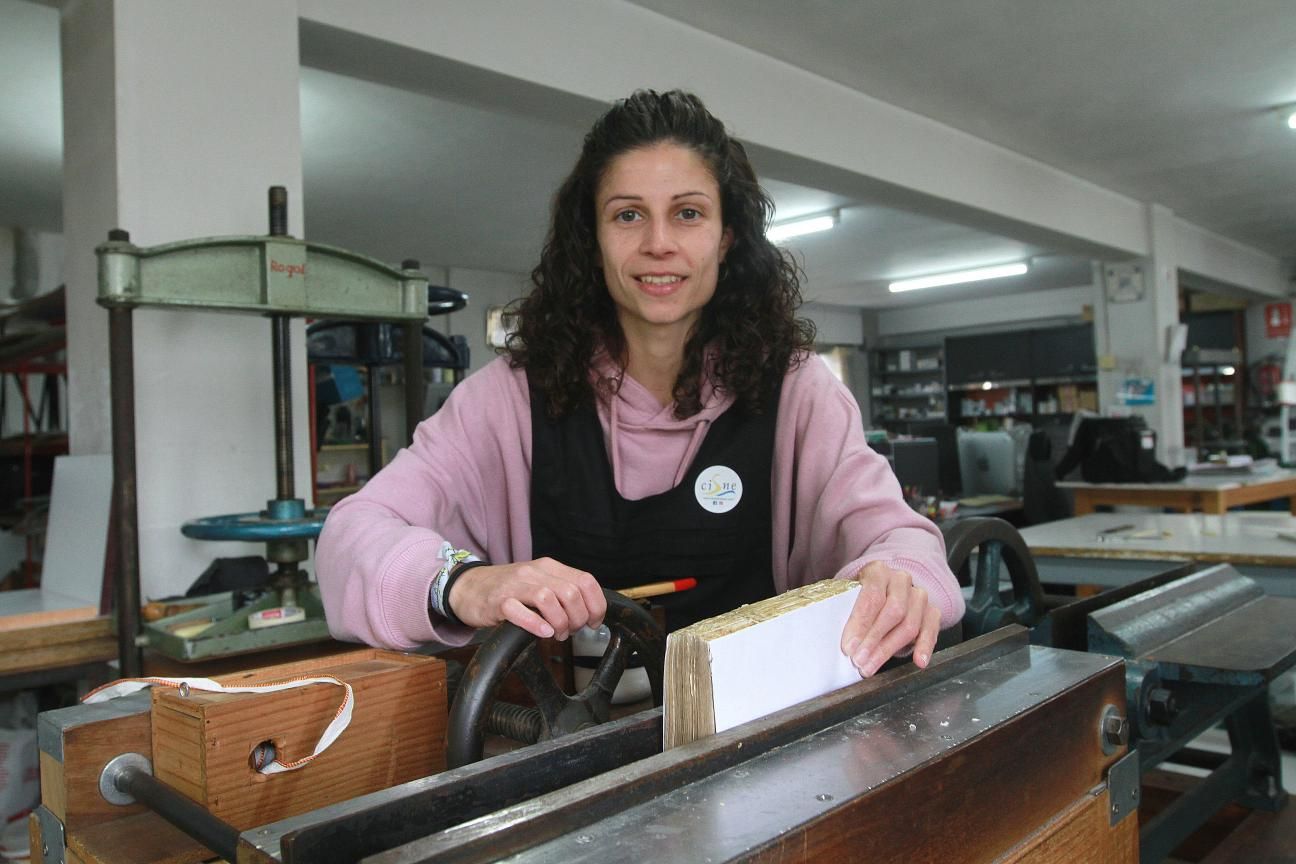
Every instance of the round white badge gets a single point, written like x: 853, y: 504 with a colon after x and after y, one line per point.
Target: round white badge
x: 718, y: 489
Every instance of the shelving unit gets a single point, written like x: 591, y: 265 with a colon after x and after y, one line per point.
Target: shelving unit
x: 1212, y: 400
x: 908, y: 384
x: 32, y: 345
x: 1003, y: 399
x: 341, y: 469
x: 378, y: 421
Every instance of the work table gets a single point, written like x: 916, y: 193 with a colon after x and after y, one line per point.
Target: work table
x: 1116, y: 548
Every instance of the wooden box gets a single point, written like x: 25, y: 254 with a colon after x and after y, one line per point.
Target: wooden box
x: 203, y: 742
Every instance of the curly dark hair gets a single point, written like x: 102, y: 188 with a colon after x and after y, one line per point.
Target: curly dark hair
x: 569, y: 314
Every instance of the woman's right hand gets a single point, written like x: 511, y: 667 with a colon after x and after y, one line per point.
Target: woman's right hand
x: 543, y: 597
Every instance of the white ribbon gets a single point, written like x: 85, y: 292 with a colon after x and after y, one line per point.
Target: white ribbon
x: 341, y: 719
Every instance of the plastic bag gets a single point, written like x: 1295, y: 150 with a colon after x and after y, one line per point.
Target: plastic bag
x: 19, y: 758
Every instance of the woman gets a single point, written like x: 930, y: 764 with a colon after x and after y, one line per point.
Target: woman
x: 657, y: 416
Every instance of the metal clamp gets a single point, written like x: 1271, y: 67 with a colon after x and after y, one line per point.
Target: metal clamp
x: 53, y: 840
x: 1123, y: 786
x: 115, y: 769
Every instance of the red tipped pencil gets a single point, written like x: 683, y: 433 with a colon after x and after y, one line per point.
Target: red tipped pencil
x: 656, y: 589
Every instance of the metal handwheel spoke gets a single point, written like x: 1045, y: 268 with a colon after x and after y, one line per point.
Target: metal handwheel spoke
x: 998, y: 547
x: 511, y: 649
x: 603, y: 682
x: 541, y: 684
x: 989, y: 556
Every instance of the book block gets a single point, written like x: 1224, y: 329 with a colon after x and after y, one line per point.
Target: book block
x: 724, y: 671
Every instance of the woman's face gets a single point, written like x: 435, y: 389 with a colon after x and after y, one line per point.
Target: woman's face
x: 661, y: 239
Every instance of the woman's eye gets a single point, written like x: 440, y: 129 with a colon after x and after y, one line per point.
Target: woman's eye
x: 626, y: 216
x: 690, y: 213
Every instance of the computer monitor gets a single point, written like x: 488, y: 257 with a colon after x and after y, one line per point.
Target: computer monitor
x: 946, y: 450
x: 987, y: 463
x: 951, y: 482
x: 917, y: 465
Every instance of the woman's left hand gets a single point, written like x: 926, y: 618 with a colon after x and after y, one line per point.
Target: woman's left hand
x: 890, y: 614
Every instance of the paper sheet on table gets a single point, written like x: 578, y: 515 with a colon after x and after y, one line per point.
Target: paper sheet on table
x: 780, y: 662
x: 76, y: 539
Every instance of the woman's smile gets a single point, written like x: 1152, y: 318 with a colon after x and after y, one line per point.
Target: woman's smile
x: 660, y: 285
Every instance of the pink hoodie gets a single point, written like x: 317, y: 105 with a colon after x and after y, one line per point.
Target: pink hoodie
x: 466, y: 479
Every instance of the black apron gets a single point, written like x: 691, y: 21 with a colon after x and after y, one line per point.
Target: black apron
x: 692, y: 530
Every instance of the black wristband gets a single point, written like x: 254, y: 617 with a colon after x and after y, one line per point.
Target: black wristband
x: 455, y: 572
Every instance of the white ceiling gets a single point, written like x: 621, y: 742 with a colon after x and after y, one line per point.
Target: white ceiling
x: 1171, y: 103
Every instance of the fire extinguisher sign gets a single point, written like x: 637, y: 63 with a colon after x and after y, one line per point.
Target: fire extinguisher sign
x: 1277, y: 320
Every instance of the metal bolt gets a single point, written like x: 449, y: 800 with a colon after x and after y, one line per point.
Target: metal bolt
x: 1115, y: 728
x: 1162, y: 707
x: 278, y: 211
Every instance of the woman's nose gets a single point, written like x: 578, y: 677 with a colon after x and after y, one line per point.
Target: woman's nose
x: 658, y: 238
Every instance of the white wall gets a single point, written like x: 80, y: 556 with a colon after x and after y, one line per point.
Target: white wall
x: 835, y: 325
x: 485, y: 288
x: 1037, y: 308
x: 38, y: 263
x: 1220, y: 259
x: 31, y: 263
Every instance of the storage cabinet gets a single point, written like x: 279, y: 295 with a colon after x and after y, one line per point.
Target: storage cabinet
x: 1064, y: 371
x: 1035, y: 376
x: 908, y: 384
x: 1002, y: 359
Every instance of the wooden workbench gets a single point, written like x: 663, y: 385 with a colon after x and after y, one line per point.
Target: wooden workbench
x: 50, y: 652
x: 1208, y: 493
x: 1119, y: 548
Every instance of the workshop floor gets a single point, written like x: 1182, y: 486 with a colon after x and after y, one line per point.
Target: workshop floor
x: 1208, y: 843
x: 1216, y: 740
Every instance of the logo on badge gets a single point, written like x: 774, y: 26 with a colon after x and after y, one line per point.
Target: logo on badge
x: 718, y: 489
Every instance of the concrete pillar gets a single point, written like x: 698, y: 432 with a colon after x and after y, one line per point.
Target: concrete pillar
x: 178, y: 116
x: 8, y: 263
x: 1137, y: 309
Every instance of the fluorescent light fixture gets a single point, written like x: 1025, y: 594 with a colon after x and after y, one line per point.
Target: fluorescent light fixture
x: 1291, y: 120
x: 1227, y: 370
x: 781, y: 231
x: 959, y: 277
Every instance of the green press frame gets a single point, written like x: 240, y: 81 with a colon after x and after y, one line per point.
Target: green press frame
x: 277, y: 276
